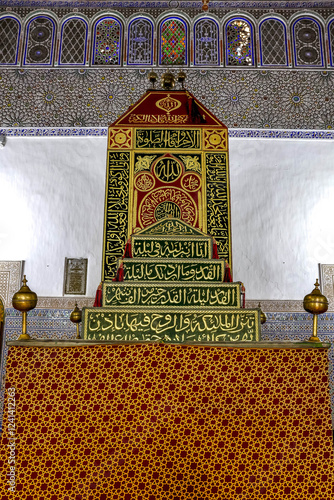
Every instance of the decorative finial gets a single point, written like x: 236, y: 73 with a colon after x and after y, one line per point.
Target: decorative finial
x: 205, y: 5
x: 263, y: 317
x: 168, y: 81
x: 152, y: 76
x: 24, y: 300
x: 76, y: 317
x: 315, y: 303
x: 181, y: 78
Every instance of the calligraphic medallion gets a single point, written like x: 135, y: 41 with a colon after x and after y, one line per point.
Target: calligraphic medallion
x: 168, y: 104
x: 167, y: 169
x: 215, y: 139
x: 165, y: 202
x: 144, y: 181
x: 191, y: 182
x: 120, y: 138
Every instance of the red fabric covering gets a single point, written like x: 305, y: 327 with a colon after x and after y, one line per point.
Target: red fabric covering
x: 120, y: 273
x: 154, y: 422
x: 228, y: 275
x: 215, y: 250
x: 98, y: 296
x: 243, y: 295
x: 127, y: 251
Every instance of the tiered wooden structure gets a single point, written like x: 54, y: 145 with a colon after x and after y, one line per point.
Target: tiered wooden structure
x: 171, y: 290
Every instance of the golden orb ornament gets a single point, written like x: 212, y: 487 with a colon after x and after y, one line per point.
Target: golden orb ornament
x: 76, y: 317
x: 181, y: 78
x: 152, y: 76
x: 315, y: 303
x: 263, y: 317
x: 168, y: 81
x: 24, y: 300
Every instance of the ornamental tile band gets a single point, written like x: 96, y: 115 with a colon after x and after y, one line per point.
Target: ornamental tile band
x: 253, y: 103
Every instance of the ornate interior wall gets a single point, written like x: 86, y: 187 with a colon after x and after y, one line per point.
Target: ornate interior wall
x: 291, y: 100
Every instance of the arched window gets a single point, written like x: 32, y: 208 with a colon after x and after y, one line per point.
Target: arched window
x: 107, y: 42
x: 273, y: 45
x: 206, y: 38
x: 331, y: 42
x: 140, y: 42
x: 40, y: 41
x: 239, y: 44
x: 10, y: 30
x: 173, y: 42
x: 307, y: 42
x: 73, y: 41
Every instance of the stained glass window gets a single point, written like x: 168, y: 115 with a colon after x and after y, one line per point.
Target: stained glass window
x: 73, y: 42
x: 173, y: 42
x: 331, y: 41
x: 40, y: 41
x: 9, y: 37
x: 273, y: 47
x: 140, y: 42
x: 307, y: 42
x: 206, y: 36
x: 239, y: 43
x: 107, y: 42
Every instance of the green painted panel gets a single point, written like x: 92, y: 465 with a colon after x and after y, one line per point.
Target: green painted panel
x: 218, y: 202
x: 192, y: 295
x: 116, y: 210
x: 173, y: 270
x: 168, y: 139
x: 171, y: 325
x: 172, y: 247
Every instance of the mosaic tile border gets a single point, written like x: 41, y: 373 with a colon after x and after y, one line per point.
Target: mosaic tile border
x: 285, y: 104
x: 172, y: 4
x: 103, y: 132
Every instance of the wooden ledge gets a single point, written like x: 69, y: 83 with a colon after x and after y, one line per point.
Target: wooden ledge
x: 238, y: 345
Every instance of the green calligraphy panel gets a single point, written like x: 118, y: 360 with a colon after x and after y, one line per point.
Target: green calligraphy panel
x: 218, y: 223
x: 195, y: 295
x: 171, y: 325
x: 171, y: 247
x: 173, y: 270
x: 116, y: 210
x: 168, y: 138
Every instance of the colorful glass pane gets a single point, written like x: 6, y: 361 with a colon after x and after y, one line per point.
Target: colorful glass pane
x: 107, y: 49
x: 239, y: 43
x: 206, y: 43
x: 173, y: 42
x: 140, y: 42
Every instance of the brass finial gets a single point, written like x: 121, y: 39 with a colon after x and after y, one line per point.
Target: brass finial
x: 315, y: 303
x: 205, y: 5
x: 24, y: 300
x: 76, y: 317
x: 181, y: 78
x: 262, y: 315
x: 152, y: 76
x: 168, y: 81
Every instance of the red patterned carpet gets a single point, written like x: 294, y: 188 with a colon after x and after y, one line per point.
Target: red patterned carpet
x: 168, y: 422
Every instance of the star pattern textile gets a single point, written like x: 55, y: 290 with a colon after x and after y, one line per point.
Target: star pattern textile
x: 169, y: 422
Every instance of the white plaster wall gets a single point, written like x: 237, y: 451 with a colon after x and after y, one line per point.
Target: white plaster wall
x: 282, y: 195
x: 282, y: 214
x: 52, y: 207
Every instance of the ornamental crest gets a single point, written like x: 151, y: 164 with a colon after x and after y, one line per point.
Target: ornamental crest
x: 168, y: 104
